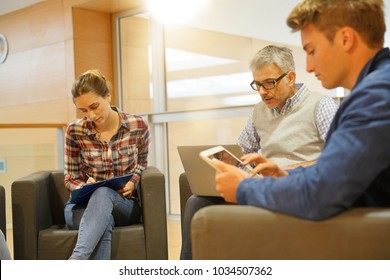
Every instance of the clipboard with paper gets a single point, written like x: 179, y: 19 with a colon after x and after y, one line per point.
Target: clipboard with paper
x: 83, y: 194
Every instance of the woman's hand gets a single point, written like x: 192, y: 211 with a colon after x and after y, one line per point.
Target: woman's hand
x: 263, y: 166
x: 127, y: 190
x: 90, y: 180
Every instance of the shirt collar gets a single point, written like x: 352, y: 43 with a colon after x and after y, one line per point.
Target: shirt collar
x: 290, y: 102
x: 381, y: 56
x: 124, y: 119
x: 90, y: 128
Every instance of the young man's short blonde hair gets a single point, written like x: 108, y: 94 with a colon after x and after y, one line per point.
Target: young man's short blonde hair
x: 365, y: 16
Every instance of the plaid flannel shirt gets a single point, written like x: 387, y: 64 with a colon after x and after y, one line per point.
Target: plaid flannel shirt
x: 86, y: 155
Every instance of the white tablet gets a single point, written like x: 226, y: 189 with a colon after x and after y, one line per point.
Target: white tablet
x: 220, y: 153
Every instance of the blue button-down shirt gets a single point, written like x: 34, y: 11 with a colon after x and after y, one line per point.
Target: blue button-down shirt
x: 354, y: 167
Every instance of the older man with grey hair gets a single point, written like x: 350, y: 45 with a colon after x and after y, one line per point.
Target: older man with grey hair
x: 290, y: 123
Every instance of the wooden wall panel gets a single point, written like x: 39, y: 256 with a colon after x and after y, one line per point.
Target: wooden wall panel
x: 33, y: 75
x: 36, y: 71
x: 110, y: 6
x: 93, y: 42
x: 92, y: 55
x: 53, y: 111
x: 91, y: 25
x: 50, y: 44
x: 135, y: 42
x: 34, y: 27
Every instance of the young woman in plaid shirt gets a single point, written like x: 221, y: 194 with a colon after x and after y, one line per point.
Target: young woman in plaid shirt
x: 105, y: 143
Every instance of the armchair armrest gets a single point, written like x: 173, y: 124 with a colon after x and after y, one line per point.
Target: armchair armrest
x: 154, y: 213
x: 31, y: 212
x: 247, y: 232
x: 3, y: 223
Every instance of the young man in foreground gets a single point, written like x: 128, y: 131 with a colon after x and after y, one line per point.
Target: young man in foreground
x: 343, y: 50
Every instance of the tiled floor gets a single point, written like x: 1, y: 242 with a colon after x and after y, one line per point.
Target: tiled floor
x: 174, y: 238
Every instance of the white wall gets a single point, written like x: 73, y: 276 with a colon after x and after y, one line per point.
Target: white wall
x: 260, y: 19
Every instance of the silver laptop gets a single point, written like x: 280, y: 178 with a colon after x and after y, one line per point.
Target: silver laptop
x: 200, y: 175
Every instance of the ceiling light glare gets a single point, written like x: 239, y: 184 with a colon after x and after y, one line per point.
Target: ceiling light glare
x: 175, y: 11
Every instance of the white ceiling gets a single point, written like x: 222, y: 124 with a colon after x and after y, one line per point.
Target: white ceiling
x: 261, y: 19
x: 7, y: 6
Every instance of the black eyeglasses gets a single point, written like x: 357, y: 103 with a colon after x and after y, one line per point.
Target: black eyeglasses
x: 267, y: 84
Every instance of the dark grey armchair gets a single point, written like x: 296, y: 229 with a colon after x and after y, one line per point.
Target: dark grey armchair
x: 3, y: 223
x: 39, y: 226
x: 246, y: 232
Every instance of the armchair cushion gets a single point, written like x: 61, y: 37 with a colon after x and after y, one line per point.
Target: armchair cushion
x: 247, y: 232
